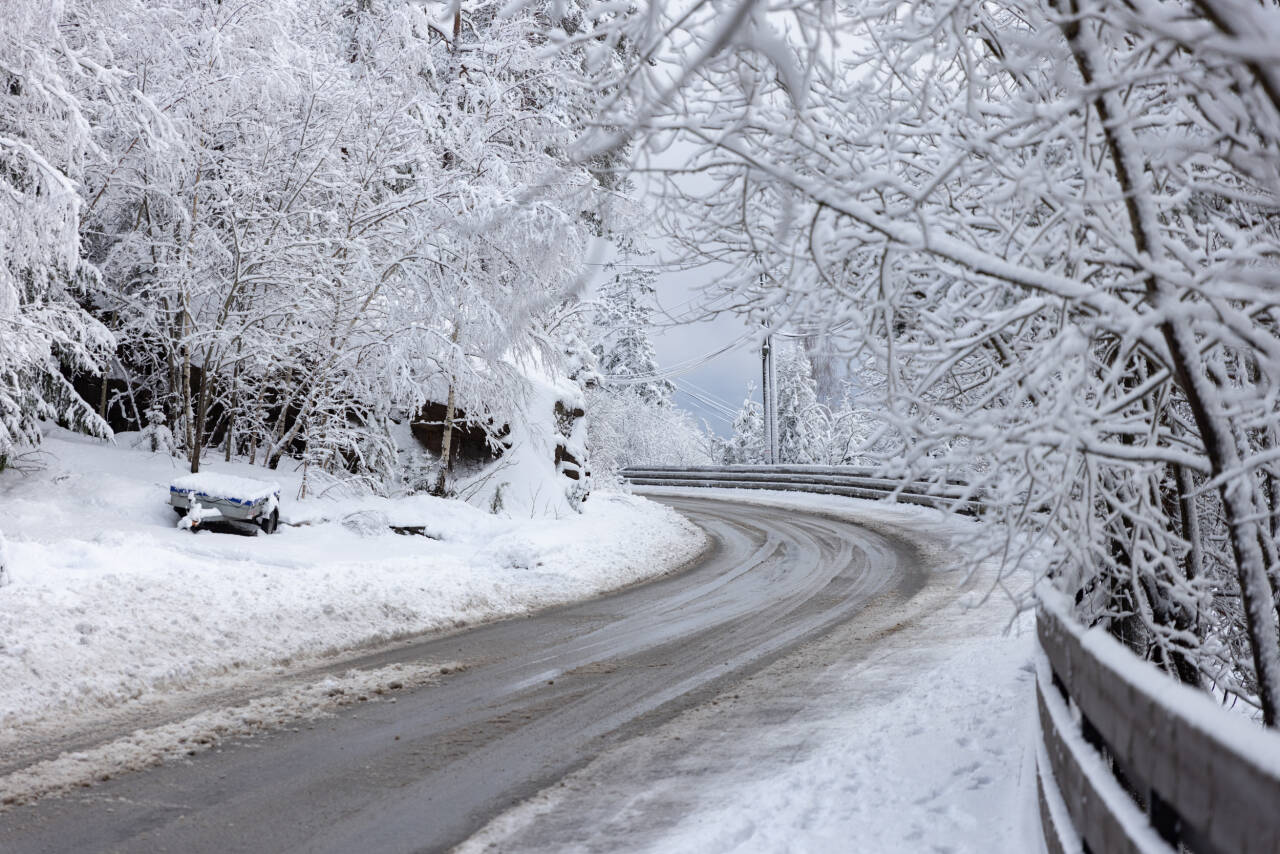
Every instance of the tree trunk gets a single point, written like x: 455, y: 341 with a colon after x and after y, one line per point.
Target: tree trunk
x: 1238, y: 499
x: 446, y: 435
x: 202, y: 412
x: 102, y: 396
x: 446, y: 444
x: 188, y: 417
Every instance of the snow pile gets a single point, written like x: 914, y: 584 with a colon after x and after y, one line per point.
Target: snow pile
x: 109, y: 602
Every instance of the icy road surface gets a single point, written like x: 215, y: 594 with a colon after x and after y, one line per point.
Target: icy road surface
x: 540, y: 698
x: 908, y: 728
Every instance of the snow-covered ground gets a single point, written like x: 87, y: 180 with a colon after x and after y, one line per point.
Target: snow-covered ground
x: 109, y: 602
x: 910, y: 729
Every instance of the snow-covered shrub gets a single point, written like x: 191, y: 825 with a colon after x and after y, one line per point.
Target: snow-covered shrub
x: 156, y: 436
x: 625, y: 428
x: 4, y: 561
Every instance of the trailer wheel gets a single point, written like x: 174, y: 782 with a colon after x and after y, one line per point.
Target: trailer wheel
x: 270, y: 523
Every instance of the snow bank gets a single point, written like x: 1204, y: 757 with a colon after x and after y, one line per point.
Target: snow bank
x: 109, y: 602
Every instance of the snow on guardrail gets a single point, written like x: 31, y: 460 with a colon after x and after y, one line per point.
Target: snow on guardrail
x: 829, y: 480
x: 1139, y: 762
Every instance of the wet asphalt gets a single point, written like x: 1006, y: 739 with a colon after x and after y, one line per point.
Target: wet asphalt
x: 538, y: 698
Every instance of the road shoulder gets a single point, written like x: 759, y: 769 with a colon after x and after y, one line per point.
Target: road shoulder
x: 904, y: 729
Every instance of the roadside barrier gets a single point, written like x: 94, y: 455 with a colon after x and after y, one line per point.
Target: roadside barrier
x: 831, y: 480
x: 1133, y: 761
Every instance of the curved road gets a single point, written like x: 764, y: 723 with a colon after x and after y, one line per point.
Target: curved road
x: 540, y: 696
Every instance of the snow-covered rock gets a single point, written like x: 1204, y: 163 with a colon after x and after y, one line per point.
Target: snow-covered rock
x: 543, y: 471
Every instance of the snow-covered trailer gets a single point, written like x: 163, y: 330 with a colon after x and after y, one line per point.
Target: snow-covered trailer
x: 210, y: 496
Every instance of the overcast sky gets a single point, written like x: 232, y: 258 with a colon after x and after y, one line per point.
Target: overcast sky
x: 724, y: 378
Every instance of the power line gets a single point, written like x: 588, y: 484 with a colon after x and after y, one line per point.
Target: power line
x: 815, y: 331
x: 680, y: 368
x: 710, y: 409
x: 728, y: 406
x: 709, y: 401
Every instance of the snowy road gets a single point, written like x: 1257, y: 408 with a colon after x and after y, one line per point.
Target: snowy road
x: 539, y: 698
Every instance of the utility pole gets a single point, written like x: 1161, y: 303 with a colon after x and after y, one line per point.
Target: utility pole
x: 769, y: 399
x: 768, y: 391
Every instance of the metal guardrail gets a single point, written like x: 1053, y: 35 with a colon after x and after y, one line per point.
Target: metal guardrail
x: 829, y: 480
x: 1133, y: 761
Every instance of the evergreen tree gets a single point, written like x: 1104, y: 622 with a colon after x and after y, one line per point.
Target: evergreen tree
x: 804, y: 423
x: 746, y: 445
x: 625, y: 315
x: 633, y: 421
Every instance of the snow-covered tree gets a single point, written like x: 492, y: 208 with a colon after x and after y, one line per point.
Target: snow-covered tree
x: 44, y: 141
x: 807, y: 433
x: 1053, y: 228
x: 746, y: 445
x: 804, y: 423
x: 625, y: 429
x: 623, y: 350
x: 311, y: 219
x: 631, y: 419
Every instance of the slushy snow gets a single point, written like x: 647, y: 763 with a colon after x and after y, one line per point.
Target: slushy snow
x: 910, y: 728
x: 144, y: 748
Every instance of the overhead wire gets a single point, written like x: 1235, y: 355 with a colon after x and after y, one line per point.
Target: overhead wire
x: 720, y: 401
x: 680, y: 368
x: 709, y: 403
x: 711, y: 407
x: 815, y: 331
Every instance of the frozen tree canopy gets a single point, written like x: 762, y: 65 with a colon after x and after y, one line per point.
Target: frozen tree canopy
x: 278, y: 228
x: 1051, y: 229
x: 1042, y: 236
